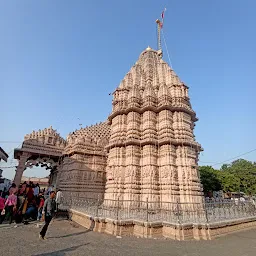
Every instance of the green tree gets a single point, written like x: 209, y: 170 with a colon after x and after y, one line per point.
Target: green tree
x: 209, y: 179
x: 240, y: 175
x: 229, y: 182
x: 224, y: 167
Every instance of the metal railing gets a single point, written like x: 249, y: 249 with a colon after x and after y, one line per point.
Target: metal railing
x: 207, y: 212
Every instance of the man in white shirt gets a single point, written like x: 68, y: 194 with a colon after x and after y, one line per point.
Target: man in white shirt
x: 59, y: 197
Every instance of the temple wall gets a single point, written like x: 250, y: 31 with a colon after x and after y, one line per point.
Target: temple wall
x: 83, y: 176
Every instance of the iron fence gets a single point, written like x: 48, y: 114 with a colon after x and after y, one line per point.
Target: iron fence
x: 205, y: 212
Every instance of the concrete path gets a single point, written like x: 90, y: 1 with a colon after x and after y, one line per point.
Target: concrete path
x: 67, y: 238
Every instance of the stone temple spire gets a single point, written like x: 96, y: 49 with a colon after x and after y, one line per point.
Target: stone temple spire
x: 152, y: 153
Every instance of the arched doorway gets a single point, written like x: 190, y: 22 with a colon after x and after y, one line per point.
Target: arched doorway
x: 42, y: 148
x: 41, y: 167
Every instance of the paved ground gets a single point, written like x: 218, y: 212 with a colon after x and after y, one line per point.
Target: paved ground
x: 67, y: 238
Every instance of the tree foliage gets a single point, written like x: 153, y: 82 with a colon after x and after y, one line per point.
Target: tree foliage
x: 240, y: 175
x: 209, y: 179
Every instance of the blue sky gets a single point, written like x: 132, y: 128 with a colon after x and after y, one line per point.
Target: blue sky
x: 60, y: 59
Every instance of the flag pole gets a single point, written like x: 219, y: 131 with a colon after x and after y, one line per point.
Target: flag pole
x: 159, y: 46
x: 159, y: 28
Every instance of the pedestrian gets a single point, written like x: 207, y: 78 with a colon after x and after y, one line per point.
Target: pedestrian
x: 13, y: 189
x: 40, y: 207
x: 2, y: 210
x: 4, y: 193
x: 23, y: 187
x: 20, y: 204
x: 36, y: 190
x: 59, y: 197
x: 30, y: 193
x: 10, y: 205
x: 50, y: 189
x: 48, y: 212
x: 31, y: 212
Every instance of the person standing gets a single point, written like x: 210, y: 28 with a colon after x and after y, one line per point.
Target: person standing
x: 10, y: 204
x: 36, y: 190
x: 50, y: 189
x: 23, y: 187
x: 30, y: 193
x: 13, y: 189
x: 48, y: 212
x: 40, y: 207
x: 59, y: 197
x: 2, y: 210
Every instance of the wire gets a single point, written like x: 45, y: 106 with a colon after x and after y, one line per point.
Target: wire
x: 217, y: 163
x: 170, y: 63
x: 207, y: 162
x: 235, y: 157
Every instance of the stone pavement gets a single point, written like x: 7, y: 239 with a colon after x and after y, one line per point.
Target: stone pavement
x: 67, y: 238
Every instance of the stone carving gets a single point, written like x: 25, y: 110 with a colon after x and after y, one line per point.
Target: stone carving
x: 145, y: 151
x: 157, y: 121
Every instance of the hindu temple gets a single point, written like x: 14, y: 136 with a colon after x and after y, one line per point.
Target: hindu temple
x: 136, y: 173
x: 145, y: 150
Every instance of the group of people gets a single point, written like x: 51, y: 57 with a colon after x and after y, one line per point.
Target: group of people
x: 28, y: 202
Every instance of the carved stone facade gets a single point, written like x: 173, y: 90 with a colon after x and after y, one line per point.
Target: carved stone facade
x: 152, y: 150
x: 84, y: 162
x: 77, y: 165
x: 42, y: 148
x: 146, y: 151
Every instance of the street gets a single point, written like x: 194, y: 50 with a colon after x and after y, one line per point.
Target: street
x: 68, y: 238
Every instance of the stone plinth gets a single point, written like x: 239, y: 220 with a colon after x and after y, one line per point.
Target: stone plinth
x: 160, y: 230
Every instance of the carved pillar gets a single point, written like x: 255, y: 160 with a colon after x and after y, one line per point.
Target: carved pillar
x: 50, y: 178
x: 168, y: 177
x: 149, y: 176
x: 20, y: 168
x: 132, y: 174
x: 149, y: 167
x: 115, y: 173
x: 167, y: 159
x: 53, y: 178
x: 59, y: 170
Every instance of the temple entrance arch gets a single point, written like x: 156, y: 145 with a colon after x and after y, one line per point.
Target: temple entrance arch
x: 42, y: 148
x: 50, y: 164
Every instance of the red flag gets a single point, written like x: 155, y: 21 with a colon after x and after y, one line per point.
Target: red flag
x: 163, y: 13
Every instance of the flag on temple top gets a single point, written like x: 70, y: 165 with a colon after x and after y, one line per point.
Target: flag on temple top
x: 163, y: 13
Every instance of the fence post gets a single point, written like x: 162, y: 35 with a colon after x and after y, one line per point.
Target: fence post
x: 97, y: 209
x: 117, y: 213
x: 147, y: 210
x: 178, y: 211
x: 206, y: 213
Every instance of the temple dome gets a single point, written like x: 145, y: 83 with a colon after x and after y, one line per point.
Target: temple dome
x: 87, y: 134
x: 151, y: 69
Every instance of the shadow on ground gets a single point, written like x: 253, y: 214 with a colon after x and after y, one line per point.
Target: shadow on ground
x: 70, y: 235
x: 61, y: 252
